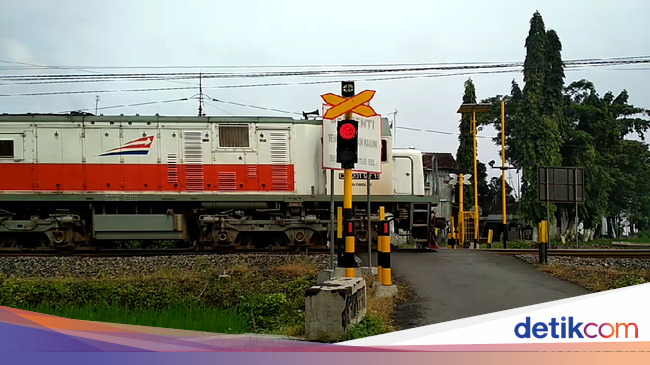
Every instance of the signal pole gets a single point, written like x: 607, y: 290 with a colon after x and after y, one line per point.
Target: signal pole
x: 347, y: 132
x: 460, y: 211
x: 475, y: 182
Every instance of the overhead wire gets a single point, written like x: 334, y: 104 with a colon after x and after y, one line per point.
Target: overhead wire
x: 259, y: 85
x: 127, y: 105
x: 33, y: 66
x: 188, y: 75
x: 216, y: 107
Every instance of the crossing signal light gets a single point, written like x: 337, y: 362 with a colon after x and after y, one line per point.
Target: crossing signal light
x: 347, y: 143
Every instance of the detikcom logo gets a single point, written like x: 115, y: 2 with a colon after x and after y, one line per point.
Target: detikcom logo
x: 590, y: 330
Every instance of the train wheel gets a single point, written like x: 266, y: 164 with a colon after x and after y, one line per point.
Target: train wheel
x: 9, y: 241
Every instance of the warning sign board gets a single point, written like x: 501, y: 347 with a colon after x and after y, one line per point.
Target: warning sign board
x: 369, y: 141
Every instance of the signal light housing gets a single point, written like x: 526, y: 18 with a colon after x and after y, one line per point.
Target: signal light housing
x: 347, y: 139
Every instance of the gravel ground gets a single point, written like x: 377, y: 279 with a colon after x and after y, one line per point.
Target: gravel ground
x: 92, y: 267
x: 614, y: 263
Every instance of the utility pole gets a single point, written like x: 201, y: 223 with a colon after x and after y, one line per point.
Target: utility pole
x: 475, y: 182
x: 96, y: 103
x: 201, y: 114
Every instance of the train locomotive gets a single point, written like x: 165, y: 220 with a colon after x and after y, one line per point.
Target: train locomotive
x: 83, y: 182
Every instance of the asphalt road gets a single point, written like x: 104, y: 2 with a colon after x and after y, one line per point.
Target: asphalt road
x: 455, y: 284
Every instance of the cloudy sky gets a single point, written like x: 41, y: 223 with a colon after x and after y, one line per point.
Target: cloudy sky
x: 298, y: 33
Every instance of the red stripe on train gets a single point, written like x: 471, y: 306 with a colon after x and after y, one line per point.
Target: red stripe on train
x: 133, y: 177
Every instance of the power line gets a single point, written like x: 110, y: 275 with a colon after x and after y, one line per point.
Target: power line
x: 255, y: 85
x: 191, y: 75
x: 216, y: 107
x: 126, y: 105
x: 33, y: 66
x: 255, y: 106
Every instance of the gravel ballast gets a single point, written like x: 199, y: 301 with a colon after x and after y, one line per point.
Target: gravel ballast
x: 614, y: 263
x: 97, y: 267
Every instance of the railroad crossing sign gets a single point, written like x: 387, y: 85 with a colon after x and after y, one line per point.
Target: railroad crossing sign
x: 466, y: 179
x: 355, y: 104
x: 369, y: 129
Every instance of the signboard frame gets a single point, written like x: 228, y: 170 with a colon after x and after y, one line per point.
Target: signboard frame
x: 329, y: 143
x: 561, y: 185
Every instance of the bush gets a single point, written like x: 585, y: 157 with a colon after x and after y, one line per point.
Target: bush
x: 629, y: 280
x: 275, y: 303
x: 370, y: 325
x: 265, y: 312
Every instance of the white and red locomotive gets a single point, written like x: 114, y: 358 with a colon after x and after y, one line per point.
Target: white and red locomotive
x: 83, y: 181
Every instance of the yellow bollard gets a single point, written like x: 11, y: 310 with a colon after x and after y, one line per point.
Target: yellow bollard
x: 380, y: 243
x: 490, y: 233
x: 385, y: 275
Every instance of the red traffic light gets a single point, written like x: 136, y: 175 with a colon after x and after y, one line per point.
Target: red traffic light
x: 347, y: 131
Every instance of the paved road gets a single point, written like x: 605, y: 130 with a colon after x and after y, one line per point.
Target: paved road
x: 454, y: 284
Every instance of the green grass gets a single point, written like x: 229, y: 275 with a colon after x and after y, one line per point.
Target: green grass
x: 174, y: 316
x: 370, y: 325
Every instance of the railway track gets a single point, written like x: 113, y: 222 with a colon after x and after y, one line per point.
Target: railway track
x: 602, y: 253
x: 146, y: 252
x: 108, y: 252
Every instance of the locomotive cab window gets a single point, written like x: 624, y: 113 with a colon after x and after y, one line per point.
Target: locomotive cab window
x: 233, y: 136
x: 6, y: 148
x: 384, y: 152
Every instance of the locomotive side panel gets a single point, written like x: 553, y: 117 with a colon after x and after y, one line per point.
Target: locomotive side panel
x: 16, y: 157
x: 306, y: 155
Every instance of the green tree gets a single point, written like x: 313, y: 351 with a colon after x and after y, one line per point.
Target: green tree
x: 615, y: 167
x: 536, y: 129
x: 494, y: 193
x: 547, y: 124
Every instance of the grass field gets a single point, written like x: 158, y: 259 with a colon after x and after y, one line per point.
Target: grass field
x: 175, y: 316
x: 248, y: 295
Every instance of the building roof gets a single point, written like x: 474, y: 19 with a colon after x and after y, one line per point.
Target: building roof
x: 446, y: 161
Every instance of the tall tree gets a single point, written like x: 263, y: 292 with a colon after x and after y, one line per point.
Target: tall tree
x: 537, y: 132
x: 547, y: 124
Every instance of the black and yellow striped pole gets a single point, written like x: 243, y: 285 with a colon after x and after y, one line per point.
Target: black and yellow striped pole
x: 383, y: 256
x: 349, y: 224
x: 543, y: 241
x: 346, y: 154
x: 385, y: 265
x: 380, y: 242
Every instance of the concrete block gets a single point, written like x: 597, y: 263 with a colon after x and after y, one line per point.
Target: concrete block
x: 384, y: 290
x: 330, y: 308
x: 339, y: 272
x: 325, y: 275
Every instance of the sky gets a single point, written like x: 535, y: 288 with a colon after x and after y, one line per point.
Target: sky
x: 297, y: 33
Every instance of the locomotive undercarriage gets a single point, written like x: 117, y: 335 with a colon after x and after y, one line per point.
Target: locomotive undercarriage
x: 207, y: 226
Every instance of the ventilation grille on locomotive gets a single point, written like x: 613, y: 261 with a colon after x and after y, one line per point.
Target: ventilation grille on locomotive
x: 227, y: 180
x: 172, y: 168
x: 233, y: 136
x: 279, y: 160
x: 193, y: 152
